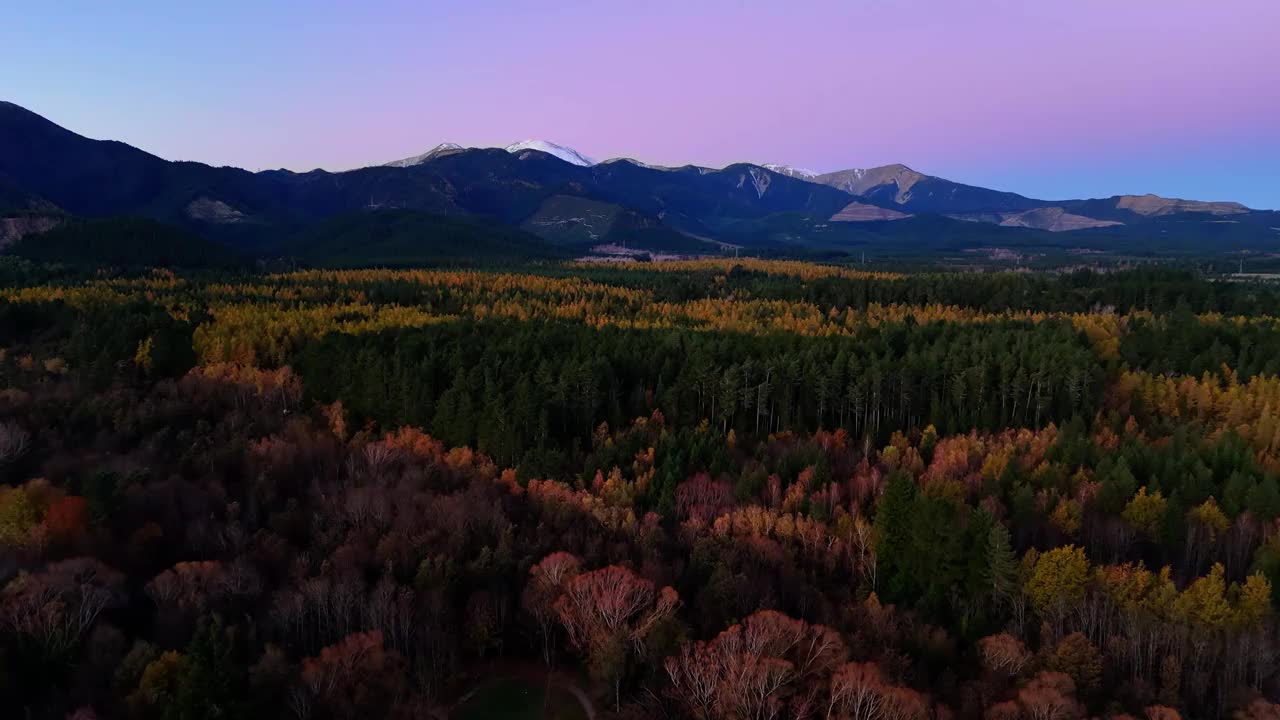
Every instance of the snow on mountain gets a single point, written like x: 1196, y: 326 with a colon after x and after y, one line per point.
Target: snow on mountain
x: 574, y: 157
x: 794, y: 172
x: 434, y: 152
x: 760, y: 180
x: 568, y: 155
x: 635, y: 162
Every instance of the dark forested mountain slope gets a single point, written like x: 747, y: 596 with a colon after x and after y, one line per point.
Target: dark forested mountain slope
x: 124, y: 241
x: 44, y: 168
x: 411, y: 237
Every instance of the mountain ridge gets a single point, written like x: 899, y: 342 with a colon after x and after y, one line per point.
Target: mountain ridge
x: 48, y: 169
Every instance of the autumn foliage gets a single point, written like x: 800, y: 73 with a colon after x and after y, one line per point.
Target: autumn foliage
x: 723, y: 490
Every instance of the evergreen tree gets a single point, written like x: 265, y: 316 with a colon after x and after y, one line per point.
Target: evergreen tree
x: 216, y: 684
x: 1264, y: 499
x: 1001, y: 565
x: 894, y: 522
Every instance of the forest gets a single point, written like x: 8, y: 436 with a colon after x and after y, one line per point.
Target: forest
x: 718, y: 490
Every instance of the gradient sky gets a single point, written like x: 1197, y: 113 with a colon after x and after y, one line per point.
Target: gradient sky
x: 1049, y: 98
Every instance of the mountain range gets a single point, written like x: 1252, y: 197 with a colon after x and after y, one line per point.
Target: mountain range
x: 558, y: 198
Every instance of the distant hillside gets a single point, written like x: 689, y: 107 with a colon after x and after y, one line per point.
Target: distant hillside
x: 1053, y: 219
x: 702, y: 201
x: 14, y: 199
x: 900, y: 187
x: 123, y: 241
x: 109, y: 178
x: 582, y: 223
x: 918, y: 234
x: 15, y: 225
x: 23, y: 213
x: 408, y: 237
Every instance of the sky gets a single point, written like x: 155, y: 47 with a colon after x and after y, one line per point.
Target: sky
x: 1049, y: 98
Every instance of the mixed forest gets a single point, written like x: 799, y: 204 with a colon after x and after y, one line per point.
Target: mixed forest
x: 717, y: 490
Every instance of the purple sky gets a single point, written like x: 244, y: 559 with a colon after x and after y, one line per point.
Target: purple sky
x: 1050, y: 98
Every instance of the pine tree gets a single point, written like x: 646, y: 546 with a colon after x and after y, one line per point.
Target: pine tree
x: 894, y: 519
x: 216, y: 684
x: 1001, y: 566
x: 1264, y: 499
x: 1118, y: 485
x: 977, y: 535
x: 1236, y: 493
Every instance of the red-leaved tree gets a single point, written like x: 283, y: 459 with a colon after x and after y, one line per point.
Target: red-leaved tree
x: 355, y: 678
x: 608, y: 613
x: 547, y: 581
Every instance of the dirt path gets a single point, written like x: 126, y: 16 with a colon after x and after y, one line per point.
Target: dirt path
x: 531, y: 672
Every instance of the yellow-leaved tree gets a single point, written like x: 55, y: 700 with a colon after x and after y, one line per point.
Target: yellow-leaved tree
x: 1058, y: 581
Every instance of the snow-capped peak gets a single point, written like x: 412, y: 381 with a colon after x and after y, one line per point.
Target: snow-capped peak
x: 792, y: 171
x: 568, y: 155
x: 434, y: 152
